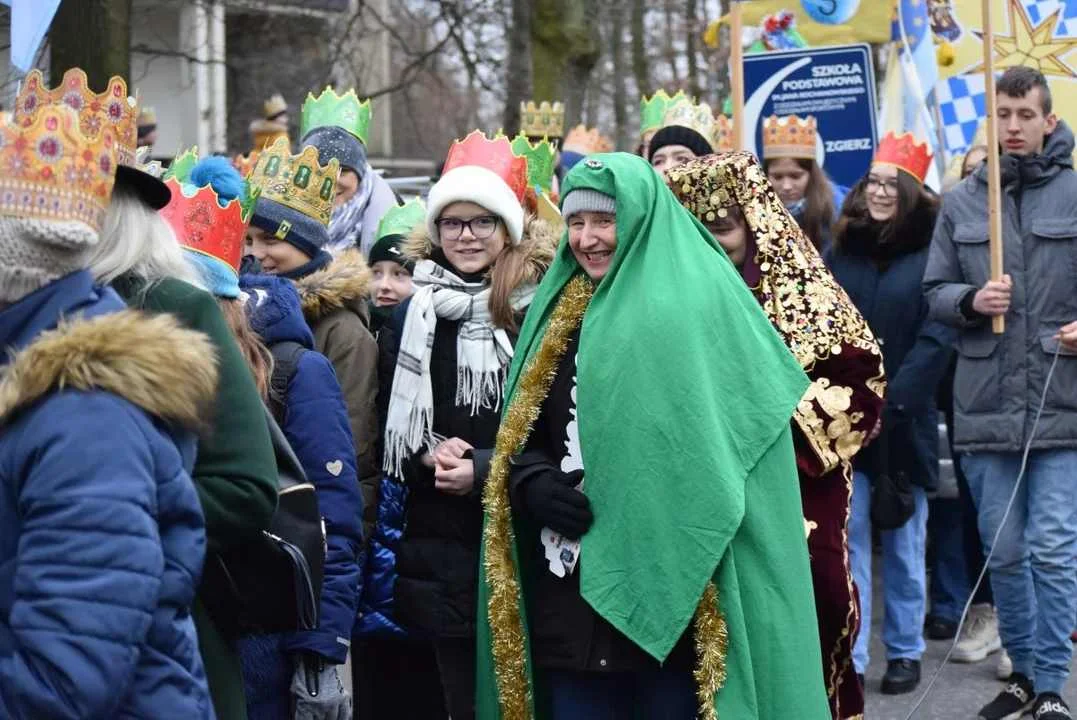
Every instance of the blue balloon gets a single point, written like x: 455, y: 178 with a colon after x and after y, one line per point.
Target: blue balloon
x: 830, y: 12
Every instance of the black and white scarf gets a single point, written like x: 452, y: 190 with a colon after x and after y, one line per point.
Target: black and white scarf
x: 483, y: 354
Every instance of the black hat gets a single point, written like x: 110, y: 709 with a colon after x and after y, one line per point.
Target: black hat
x: 388, y: 248
x: 151, y: 190
x: 680, y: 135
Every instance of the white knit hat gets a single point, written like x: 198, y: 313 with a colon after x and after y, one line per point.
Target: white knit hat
x: 475, y: 184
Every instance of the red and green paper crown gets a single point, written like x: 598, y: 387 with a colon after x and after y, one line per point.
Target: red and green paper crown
x: 495, y: 155
x: 199, y: 221
x: 904, y: 153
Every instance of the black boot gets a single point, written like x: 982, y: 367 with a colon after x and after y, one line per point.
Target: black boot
x: 901, y: 676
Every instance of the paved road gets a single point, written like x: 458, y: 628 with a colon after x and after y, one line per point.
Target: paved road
x: 959, y: 693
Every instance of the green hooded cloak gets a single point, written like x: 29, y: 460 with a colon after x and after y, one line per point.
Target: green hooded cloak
x: 684, y: 399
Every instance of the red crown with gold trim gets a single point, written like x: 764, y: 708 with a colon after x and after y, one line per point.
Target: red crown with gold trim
x: 50, y: 170
x: 586, y: 141
x: 495, y: 155
x: 111, y: 109
x: 789, y: 137
x: 904, y: 153
x: 722, y: 135
x: 199, y: 221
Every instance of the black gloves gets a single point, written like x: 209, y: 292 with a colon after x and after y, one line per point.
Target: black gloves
x: 553, y: 500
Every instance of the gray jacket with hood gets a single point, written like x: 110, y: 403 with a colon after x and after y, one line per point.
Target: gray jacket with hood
x: 1000, y: 378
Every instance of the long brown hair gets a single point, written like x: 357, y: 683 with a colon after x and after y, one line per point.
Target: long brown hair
x: 911, y: 196
x: 259, y: 358
x: 519, y: 265
x: 818, y: 201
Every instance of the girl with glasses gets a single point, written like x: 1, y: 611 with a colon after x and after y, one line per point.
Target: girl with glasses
x: 445, y: 354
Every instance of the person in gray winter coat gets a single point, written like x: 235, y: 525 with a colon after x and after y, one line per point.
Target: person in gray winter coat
x: 1000, y: 380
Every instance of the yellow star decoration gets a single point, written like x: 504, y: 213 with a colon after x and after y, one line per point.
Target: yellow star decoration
x: 1032, y: 46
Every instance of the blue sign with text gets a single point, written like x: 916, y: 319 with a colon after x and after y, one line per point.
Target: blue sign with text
x: 835, y: 84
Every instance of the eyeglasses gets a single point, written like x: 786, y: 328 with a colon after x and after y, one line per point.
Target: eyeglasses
x: 889, y: 187
x: 481, y: 227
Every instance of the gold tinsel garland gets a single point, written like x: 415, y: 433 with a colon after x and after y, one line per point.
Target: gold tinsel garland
x: 506, y: 622
x: 504, y: 606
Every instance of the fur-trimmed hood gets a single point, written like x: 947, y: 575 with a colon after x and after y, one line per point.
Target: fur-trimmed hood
x: 344, y: 284
x: 149, y: 360
x: 540, y: 240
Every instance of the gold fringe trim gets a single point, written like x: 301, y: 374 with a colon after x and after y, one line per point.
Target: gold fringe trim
x: 712, y: 643
x: 504, y: 608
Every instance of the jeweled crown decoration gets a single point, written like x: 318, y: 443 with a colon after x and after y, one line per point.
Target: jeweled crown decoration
x: 694, y: 116
x: 789, y: 137
x: 495, y: 155
x: 586, y: 141
x: 543, y: 120
x: 50, y: 170
x: 298, y: 182
x: 904, y: 153
x: 540, y: 158
x: 343, y: 111
x: 112, y: 109
x: 722, y: 137
x: 198, y: 220
x: 653, y: 109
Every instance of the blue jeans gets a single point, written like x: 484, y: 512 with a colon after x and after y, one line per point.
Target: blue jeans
x: 950, y: 582
x: 654, y: 695
x: 1034, y: 567
x: 904, y: 582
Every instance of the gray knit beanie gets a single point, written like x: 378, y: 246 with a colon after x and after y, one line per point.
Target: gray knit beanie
x: 586, y: 200
x: 35, y: 252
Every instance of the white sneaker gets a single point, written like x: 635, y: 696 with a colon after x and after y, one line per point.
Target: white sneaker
x: 979, y: 638
x: 1004, y: 669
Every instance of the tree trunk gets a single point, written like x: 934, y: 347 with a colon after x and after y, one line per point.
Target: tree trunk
x: 565, y: 47
x: 94, y: 35
x: 639, y: 50
x: 518, y: 68
x: 620, y: 94
x: 691, y: 8
x: 669, y: 49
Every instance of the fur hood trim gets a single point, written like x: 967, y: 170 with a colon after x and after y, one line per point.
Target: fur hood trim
x: 149, y: 360
x: 345, y: 283
x: 539, y: 242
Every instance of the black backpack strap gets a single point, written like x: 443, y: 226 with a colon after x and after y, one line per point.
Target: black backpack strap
x: 286, y: 355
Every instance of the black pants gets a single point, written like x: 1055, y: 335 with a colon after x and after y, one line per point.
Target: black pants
x: 456, y: 664
x: 396, y: 678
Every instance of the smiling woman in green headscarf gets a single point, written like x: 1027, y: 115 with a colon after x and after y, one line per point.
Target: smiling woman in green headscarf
x: 647, y: 416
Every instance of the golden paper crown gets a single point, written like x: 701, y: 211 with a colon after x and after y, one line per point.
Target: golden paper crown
x: 298, y: 182
x: 694, y: 116
x: 789, y: 137
x: 111, y: 109
x: 586, y: 141
x: 904, y: 153
x: 50, y: 170
x: 722, y: 139
x: 543, y: 120
x: 274, y: 106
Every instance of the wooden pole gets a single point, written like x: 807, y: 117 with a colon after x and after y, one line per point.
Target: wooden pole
x: 736, y: 64
x: 994, y: 184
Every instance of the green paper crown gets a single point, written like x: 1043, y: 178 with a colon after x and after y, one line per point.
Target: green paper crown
x: 401, y: 219
x: 540, y: 161
x: 343, y: 111
x: 181, y: 167
x: 653, y: 109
